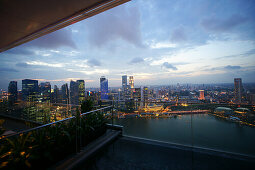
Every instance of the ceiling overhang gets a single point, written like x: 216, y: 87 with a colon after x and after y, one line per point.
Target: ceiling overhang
x: 25, y: 20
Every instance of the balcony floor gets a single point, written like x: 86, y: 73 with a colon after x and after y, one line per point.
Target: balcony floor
x: 131, y: 153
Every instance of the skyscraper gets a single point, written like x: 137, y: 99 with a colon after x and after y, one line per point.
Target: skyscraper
x: 238, y: 90
x: 136, y: 94
x: 56, y: 98
x: 81, y: 91
x: 124, y: 86
x: 201, y: 95
x: 45, y: 90
x: 65, y: 94
x: 104, y: 88
x: 124, y: 82
x: 29, y: 89
x: 131, y: 82
x: 144, y: 96
x: 74, y: 92
x: 13, y: 92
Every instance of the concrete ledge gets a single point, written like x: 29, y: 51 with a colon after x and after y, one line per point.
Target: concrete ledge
x: 88, y: 151
x: 194, y: 149
x: 114, y: 127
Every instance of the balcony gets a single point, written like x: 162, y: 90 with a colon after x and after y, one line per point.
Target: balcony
x: 187, y: 140
x: 161, y: 116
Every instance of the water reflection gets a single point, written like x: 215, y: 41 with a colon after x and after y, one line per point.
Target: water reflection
x: 208, y: 131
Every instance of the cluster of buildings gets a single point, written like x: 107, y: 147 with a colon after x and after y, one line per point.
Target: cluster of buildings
x: 128, y: 91
x: 126, y: 99
x: 32, y: 91
x: 75, y: 93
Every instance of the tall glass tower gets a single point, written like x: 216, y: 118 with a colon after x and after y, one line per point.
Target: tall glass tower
x: 30, y: 89
x: 74, y: 98
x: 124, y: 86
x: 238, y: 90
x: 81, y: 90
x: 56, y: 98
x: 65, y: 93
x: 45, y: 90
x: 104, y: 88
x: 13, y: 91
x: 131, y: 82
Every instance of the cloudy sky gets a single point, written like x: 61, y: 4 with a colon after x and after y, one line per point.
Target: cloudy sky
x: 159, y: 42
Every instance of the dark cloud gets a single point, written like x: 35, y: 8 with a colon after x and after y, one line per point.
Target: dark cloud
x: 24, y: 65
x: 4, y: 69
x: 229, y: 67
x: 251, y: 52
x: 136, y: 60
x: 221, y: 25
x: 19, y: 51
x: 94, y: 62
x: 246, y: 54
x: 229, y: 56
x: 54, y: 40
x: 119, y: 23
x: 178, y: 35
x: 169, y: 66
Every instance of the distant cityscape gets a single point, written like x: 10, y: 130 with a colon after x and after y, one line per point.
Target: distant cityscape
x: 122, y: 84
x: 75, y: 93
x: 44, y: 103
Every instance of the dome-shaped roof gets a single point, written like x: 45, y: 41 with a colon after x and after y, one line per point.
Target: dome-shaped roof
x: 223, y: 110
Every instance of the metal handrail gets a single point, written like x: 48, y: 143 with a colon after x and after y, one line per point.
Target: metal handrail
x: 96, y: 110
x: 49, y: 124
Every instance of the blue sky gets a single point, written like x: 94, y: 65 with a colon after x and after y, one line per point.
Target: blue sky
x: 159, y: 42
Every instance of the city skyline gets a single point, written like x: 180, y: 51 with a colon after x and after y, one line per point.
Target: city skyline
x: 127, y: 84
x: 120, y: 86
x: 75, y: 93
x: 157, y: 42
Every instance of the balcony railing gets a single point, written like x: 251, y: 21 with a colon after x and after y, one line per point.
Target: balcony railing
x: 192, y: 125
x: 53, y: 141
x: 195, y: 126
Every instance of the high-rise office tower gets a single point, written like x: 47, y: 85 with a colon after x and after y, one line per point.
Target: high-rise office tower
x: 45, y: 90
x: 137, y: 94
x: 145, y: 93
x: 124, y: 86
x: 74, y: 92
x: 81, y: 91
x: 30, y: 89
x: 56, y: 98
x: 238, y: 90
x: 104, y: 88
x: 131, y: 82
x: 13, y: 92
x: 144, y: 96
x: 65, y: 93
x: 201, y: 95
x: 124, y: 83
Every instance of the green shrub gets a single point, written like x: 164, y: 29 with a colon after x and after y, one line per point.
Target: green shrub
x: 87, y: 105
x: 44, y: 147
